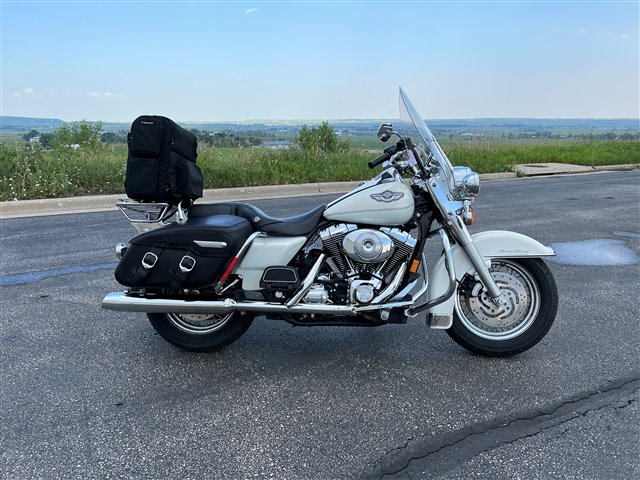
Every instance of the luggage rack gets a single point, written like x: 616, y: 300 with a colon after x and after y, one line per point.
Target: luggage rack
x: 149, y: 216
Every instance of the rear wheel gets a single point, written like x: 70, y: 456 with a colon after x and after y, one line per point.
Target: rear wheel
x: 200, y: 332
x: 500, y: 331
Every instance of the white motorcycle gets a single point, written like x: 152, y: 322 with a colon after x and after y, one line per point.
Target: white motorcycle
x: 203, y: 272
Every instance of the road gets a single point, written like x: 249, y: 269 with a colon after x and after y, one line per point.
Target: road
x: 87, y: 393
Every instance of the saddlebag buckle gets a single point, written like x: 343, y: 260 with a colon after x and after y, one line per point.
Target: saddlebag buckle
x: 187, y: 263
x: 149, y: 260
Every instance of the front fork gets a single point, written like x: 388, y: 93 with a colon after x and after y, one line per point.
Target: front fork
x: 463, y: 237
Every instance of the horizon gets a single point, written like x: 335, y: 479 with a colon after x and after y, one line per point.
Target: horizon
x: 300, y: 121
x: 311, y: 61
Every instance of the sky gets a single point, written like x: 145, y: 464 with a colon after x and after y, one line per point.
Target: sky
x: 236, y: 60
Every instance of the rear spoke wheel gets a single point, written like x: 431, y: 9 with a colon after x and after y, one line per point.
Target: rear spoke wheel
x: 200, y: 332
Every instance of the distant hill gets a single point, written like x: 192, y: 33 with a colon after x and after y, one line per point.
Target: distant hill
x: 25, y: 124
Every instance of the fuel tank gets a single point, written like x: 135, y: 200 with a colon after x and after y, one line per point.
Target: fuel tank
x: 374, y: 203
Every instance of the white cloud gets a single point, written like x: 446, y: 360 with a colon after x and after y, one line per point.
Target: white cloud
x: 32, y: 92
x: 24, y: 92
x: 250, y: 10
x: 581, y: 31
x: 620, y: 36
x: 104, y: 95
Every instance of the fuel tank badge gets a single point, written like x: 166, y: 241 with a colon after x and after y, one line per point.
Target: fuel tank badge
x: 387, y: 196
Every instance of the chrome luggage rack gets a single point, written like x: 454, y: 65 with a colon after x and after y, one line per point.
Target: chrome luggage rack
x: 149, y: 216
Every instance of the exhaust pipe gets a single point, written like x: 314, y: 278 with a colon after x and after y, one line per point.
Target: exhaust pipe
x: 122, y: 303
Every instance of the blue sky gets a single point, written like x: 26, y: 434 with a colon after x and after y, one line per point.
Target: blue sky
x: 236, y: 60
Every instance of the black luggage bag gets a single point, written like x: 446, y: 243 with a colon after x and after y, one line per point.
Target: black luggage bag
x: 161, y: 166
x: 175, y: 257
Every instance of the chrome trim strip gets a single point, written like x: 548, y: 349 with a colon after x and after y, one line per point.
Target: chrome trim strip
x: 209, y: 244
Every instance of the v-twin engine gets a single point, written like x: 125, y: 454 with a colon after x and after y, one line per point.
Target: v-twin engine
x: 366, y: 258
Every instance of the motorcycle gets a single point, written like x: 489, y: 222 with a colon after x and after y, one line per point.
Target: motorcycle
x: 202, y: 272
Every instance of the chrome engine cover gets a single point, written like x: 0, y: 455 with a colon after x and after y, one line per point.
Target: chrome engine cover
x: 368, y: 246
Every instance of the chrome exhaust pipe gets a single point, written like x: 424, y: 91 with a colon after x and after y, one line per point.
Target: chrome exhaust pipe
x: 120, y: 302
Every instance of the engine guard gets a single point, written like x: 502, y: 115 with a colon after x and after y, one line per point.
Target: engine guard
x: 491, y: 244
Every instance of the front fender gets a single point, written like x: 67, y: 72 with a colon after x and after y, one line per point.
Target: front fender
x: 491, y: 244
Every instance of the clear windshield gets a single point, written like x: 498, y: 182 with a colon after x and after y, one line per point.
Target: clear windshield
x: 425, y: 140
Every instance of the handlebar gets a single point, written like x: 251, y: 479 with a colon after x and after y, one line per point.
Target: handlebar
x: 388, y: 153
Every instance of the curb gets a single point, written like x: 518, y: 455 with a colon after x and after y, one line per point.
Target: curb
x: 100, y: 203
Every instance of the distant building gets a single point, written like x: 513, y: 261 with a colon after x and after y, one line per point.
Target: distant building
x: 276, y: 145
x: 34, y: 139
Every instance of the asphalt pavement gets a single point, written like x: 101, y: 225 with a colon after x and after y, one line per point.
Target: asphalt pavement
x: 87, y: 393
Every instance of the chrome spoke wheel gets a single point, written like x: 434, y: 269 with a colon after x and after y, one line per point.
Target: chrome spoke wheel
x: 482, y: 317
x: 198, y: 324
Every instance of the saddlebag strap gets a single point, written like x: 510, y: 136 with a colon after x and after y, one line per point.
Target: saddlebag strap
x: 179, y: 275
x: 147, y: 264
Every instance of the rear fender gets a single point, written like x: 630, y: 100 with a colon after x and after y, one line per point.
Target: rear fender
x: 491, y: 244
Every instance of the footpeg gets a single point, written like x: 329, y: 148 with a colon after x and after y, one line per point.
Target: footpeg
x: 439, y: 322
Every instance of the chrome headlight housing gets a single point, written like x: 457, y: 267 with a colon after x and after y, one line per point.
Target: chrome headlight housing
x: 467, y: 183
x: 471, y: 184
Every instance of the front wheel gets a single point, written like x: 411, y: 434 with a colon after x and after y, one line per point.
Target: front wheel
x: 200, y: 332
x: 501, y: 331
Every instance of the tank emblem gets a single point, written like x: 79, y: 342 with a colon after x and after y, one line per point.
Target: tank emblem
x: 387, y: 196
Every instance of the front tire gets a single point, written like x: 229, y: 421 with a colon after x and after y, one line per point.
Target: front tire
x: 199, y: 332
x: 486, y: 329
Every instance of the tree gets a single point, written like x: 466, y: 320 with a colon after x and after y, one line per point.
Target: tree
x: 30, y: 135
x: 82, y: 133
x: 321, y: 138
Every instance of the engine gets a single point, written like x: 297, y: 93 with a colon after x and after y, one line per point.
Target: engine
x: 366, y: 258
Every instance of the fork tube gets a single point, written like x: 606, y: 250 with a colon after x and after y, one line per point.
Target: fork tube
x: 466, y: 242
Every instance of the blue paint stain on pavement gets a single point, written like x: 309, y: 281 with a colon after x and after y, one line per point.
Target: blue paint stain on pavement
x: 32, y: 277
x: 594, y: 252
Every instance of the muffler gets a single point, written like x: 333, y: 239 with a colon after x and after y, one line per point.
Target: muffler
x: 120, y: 302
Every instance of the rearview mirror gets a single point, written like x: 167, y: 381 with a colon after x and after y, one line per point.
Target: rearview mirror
x: 385, y: 131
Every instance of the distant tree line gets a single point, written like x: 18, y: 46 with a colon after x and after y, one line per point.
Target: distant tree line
x: 225, y: 139
x: 547, y: 135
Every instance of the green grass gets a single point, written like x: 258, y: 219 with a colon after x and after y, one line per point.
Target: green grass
x: 28, y: 171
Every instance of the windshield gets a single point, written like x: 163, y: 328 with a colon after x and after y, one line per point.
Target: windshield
x: 425, y: 140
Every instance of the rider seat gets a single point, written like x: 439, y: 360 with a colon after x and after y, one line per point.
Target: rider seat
x: 298, y: 225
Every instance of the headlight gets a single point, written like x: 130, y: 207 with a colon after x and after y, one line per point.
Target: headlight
x: 467, y: 183
x: 471, y: 184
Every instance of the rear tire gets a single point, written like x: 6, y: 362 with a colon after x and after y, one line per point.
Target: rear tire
x: 483, y: 328
x: 200, y: 333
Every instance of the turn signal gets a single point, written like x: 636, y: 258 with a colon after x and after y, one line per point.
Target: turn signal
x: 468, y: 216
x: 414, y: 266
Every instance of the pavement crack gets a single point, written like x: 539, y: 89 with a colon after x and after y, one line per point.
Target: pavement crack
x: 466, y: 443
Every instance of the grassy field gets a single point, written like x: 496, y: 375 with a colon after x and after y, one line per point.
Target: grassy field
x: 28, y: 172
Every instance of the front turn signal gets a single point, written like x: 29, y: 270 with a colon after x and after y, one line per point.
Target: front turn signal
x: 468, y: 216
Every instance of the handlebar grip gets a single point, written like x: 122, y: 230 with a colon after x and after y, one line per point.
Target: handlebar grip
x: 388, y: 153
x: 378, y: 160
